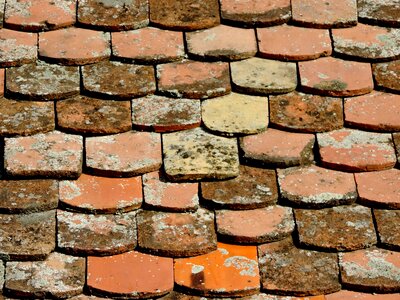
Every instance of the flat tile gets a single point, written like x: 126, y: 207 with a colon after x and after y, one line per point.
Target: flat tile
x: 387, y: 75
x: 387, y: 229
x: 17, y: 48
x: 383, y: 12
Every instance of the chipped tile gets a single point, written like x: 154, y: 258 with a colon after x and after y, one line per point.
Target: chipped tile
x: 387, y: 227
x: 387, y: 75
x: 17, y: 48
x: 382, y: 12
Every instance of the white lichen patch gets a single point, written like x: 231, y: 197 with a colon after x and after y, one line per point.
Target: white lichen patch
x: 245, y: 266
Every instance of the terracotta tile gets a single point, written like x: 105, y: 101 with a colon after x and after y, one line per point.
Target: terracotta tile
x: 222, y: 43
x: 343, y: 294
x: 387, y: 75
x: 372, y: 270
x: 42, y: 81
x: 253, y: 188
x: 74, y: 46
x: 334, y: 77
x: 316, y: 187
x: 27, y: 236
x: 275, y: 297
x: 195, y: 154
x: 306, y: 113
x: 384, y: 13
x: 256, y: 12
x: 380, y: 189
x: 131, y: 274
x: 113, y: 15
x: 185, y: 14
x: 396, y: 140
x: 272, y: 148
x: 25, y: 117
x: 17, y: 48
x: 236, y: 114
x: 85, y: 297
x: 179, y: 296
x: 28, y: 196
x: 83, y: 234
x: 286, y: 269
x: 163, y: 114
x: 263, y: 76
x: 236, y: 267
x: 376, y: 111
x: 193, y: 79
x: 388, y: 231
x: 125, y: 154
x: 93, y: 116
x: 325, y: 14
x: 116, y: 80
x: 287, y: 42
x: 58, y: 276
x: 39, y: 15
x: 2, y: 9
x: 2, y: 79
x: 355, y: 150
x: 148, y: 45
x: 101, y: 195
x: 261, y: 225
x: 53, y: 154
x: 177, y: 234
x: 163, y: 195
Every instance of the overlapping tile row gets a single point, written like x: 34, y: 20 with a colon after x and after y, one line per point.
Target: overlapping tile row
x: 187, y: 149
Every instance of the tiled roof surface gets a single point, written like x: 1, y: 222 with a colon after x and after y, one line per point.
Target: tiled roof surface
x: 187, y: 149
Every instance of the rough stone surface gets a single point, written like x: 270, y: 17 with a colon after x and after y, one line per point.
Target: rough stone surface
x: 177, y: 234
x: 195, y: 154
x: 387, y: 229
x: 372, y: 270
x: 42, y: 81
x: 17, y: 48
x: 272, y: 148
x: 316, y: 187
x: 114, y: 79
x: 382, y: 12
x: 263, y: 76
x: 163, y: 114
x: 253, y: 188
x: 53, y: 154
x: 25, y: 117
x: 306, y: 113
x: 27, y: 236
x: 125, y: 154
x: 58, y: 276
x: 387, y: 75
x: 193, y: 79
x: 93, y: 116
x: 236, y: 266
x: 343, y: 294
x: 354, y: 150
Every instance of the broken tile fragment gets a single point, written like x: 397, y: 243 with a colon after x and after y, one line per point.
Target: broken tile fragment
x: 195, y: 154
x: 387, y: 75
x: 17, y: 48
x: 236, y: 266
x: 350, y: 295
x: 387, y: 229
x: 177, y: 234
x: 384, y: 13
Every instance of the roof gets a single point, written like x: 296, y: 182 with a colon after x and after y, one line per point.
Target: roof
x: 187, y: 149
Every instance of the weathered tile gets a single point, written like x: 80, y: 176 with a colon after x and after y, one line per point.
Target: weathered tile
x: 25, y: 117
x: 42, y: 81
x: 58, y: 276
x: 52, y: 154
x: 193, y: 79
x: 2, y: 269
x: 27, y: 236
x: 125, y: 154
x: 261, y: 225
x: 236, y: 114
x: 2, y: 9
x: 263, y: 76
x: 387, y: 75
x: 185, y: 14
x: 335, y: 77
x: 355, y: 150
x: 384, y: 12
x: 341, y: 228
x: 93, y: 116
x: 316, y: 187
x: 287, y: 42
x: 17, y: 48
x: 147, y: 45
x: 306, y: 113
x: 85, y: 297
x: 39, y: 15
x: 253, y: 188
x: 113, y: 15
x: 396, y: 140
x: 163, y: 114
x: 275, y: 297
x: 195, y: 154
x: 271, y: 148
x: 286, y: 269
x: 2, y: 79
x: 372, y: 270
x: 132, y: 274
x: 163, y: 195
x: 379, y: 189
x: 176, y: 234
x: 236, y: 266
x: 387, y: 227
x: 350, y: 295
